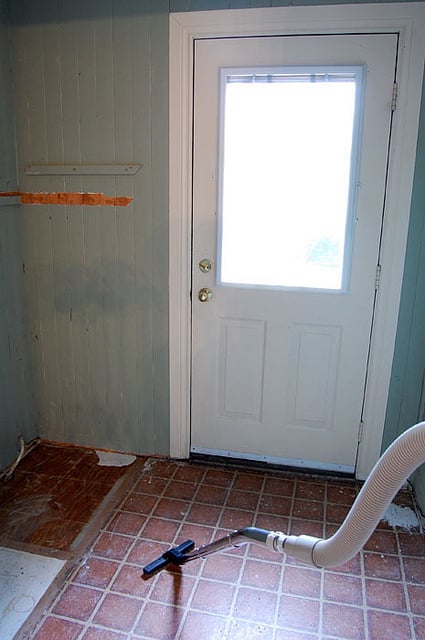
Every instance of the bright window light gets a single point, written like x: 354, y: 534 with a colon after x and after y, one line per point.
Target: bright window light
x: 289, y: 166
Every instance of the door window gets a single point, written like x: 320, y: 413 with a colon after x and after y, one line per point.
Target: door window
x: 289, y: 164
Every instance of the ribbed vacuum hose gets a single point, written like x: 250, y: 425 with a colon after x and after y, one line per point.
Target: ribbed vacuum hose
x: 399, y: 461
x: 388, y: 475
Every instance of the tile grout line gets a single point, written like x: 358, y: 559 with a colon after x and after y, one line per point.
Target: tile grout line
x: 122, y: 562
x: 107, y: 589
x: 188, y: 606
x: 405, y: 587
x: 146, y: 598
x: 322, y: 576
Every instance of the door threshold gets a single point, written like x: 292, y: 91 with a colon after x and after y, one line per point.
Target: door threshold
x: 253, y: 461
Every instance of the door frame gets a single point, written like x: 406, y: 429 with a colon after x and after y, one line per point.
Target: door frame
x: 405, y: 19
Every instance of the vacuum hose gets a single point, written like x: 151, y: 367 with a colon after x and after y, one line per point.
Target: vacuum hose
x: 393, y: 468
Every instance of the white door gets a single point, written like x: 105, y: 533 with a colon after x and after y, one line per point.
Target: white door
x: 291, y: 138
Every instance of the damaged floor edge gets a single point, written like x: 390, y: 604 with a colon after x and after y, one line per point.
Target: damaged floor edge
x: 32, y: 575
x: 24, y: 579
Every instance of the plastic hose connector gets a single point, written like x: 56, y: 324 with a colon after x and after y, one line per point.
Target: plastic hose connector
x: 301, y: 548
x: 276, y: 541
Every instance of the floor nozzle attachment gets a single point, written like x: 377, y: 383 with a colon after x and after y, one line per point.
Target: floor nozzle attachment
x: 175, y: 556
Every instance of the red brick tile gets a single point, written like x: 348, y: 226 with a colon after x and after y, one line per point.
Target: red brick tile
x: 342, y: 588
x: 129, y: 581
x: 181, y: 490
x: 341, y: 494
x: 160, y: 529
x: 352, y: 566
x: 415, y: 570
x: 246, y: 500
x: 309, y: 490
x: 280, y: 486
x: 145, y: 551
x: 248, y: 482
x: 344, y: 622
x: 412, y: 544
x: 262, y: 575
x: 219, y: 477
x: 127, y: 523
x: 96, y: 572
x: 161, y: 468
x: 55, y: 628
x: 202, y: 625
x: 235, y: 519
x: 223, y: 567
x: 112, y: 546
x: 240, y: 630
x: 419, y: 627
x: 190, y: 473
x: 213, y: 597
x: 171, y: 508
x: 277, y: 505
x: 77, y: 602
x: 118, y: 612
x: 139, y: 503
x: 211, y: 495
x: 308, y: 510
x: 255, y: 605
x: 274, y: 523
x: 388, y: 625
x: 382, y: 542
x: 301, y: 582
x: 382, y: 566
x: 287, y: 634
x: 306, y: 527
x: 382, y: 594
x: 102, y: 634
x: 151, y: 485
x: 203, y: 514
x: 417, y: 599
x: 172, y: 588
x: 262, y: 553
x: 336, y: 513
x: 160, y: 621
x: 199, y: 534
x: 298, y: 613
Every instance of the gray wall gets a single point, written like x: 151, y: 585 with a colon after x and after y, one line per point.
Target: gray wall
x: 91, y: 86
x: 17, y: 414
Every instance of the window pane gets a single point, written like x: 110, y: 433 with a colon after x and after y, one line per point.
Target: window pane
x: 286, y: 192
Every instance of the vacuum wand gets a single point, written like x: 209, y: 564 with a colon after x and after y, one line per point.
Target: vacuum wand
x: 393, y: 468
x: 186, y: 551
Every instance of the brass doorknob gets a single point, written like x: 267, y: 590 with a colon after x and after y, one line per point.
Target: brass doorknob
x: 205, y: 295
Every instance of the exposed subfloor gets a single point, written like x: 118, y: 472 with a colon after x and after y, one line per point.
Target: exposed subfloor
x: 244, y: 593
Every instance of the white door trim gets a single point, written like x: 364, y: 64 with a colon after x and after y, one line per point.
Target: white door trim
x: 408, y: 20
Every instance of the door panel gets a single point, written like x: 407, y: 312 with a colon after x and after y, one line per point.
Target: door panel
x: 278, y: 372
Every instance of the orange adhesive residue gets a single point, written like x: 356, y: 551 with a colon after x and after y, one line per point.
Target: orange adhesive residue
x: 70, y: 198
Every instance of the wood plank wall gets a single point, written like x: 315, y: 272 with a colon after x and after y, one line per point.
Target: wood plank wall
x: 17, y: 414
x: 91, y: 82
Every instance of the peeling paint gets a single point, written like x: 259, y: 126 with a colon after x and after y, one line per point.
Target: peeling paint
x: 69, y: 198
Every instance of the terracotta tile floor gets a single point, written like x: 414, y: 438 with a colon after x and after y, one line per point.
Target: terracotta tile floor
x: 244, y: 593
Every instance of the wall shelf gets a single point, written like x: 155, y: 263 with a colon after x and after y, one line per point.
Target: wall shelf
x: 82, y: 169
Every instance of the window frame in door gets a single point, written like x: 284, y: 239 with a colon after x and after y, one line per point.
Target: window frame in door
x: 407, y: 20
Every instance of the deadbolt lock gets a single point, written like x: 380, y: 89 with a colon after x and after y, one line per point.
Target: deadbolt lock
x: 205, y: 295
x: 206, y: 265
